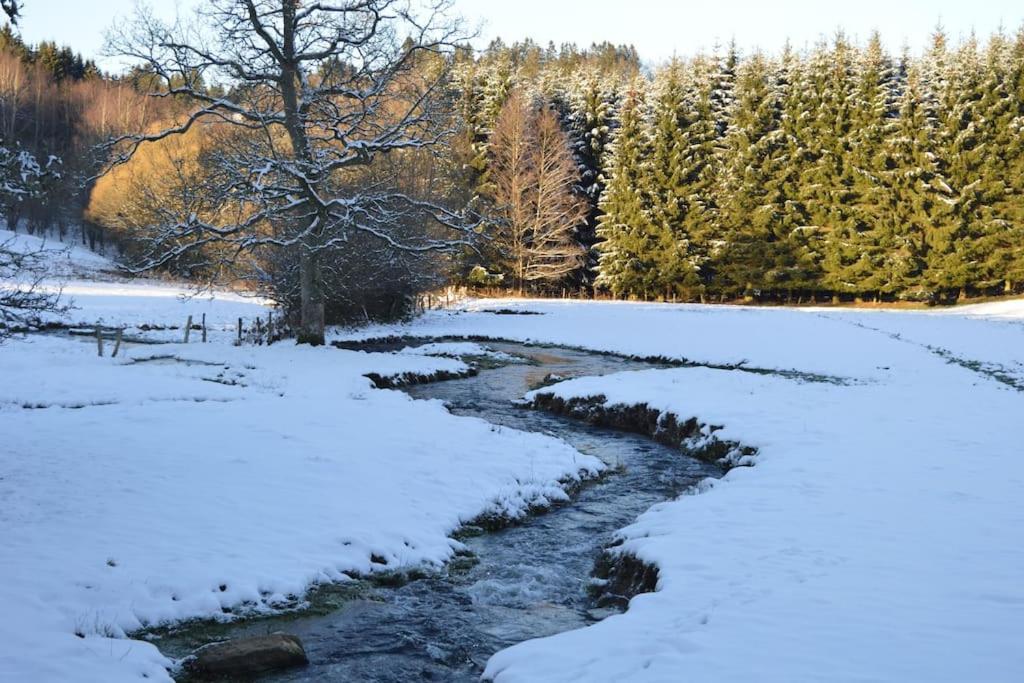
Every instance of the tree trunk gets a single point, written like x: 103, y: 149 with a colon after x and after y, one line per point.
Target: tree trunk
x: 311, y: 325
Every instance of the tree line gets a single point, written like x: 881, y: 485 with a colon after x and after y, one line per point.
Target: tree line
x: 841, y: 171
x: 341, y: 160
x: 56, y: 107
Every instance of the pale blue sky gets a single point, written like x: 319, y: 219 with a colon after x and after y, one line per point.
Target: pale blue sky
x: 659, y: 29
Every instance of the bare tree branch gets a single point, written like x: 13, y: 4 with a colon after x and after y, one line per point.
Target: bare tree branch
x: 317, y: 94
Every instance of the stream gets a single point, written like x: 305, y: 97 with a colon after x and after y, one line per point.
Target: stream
x: 528, y: 580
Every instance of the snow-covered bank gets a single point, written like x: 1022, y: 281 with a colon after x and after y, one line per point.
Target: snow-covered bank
x: 182, y: 481
x: 876, y: 538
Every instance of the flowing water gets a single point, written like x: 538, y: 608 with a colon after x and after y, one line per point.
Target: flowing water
x: 529, y: 580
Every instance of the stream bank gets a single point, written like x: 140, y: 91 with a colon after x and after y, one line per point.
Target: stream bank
x: 540, y: 576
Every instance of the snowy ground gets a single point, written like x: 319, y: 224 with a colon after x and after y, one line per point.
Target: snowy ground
x: 877, y: 537
x: 96, y: 293
x: 179, y: 481
x: 62, y: 259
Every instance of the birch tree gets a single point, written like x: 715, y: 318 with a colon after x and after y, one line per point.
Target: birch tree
x: 317, y: 92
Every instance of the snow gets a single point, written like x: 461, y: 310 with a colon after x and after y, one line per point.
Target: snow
x: 137, y: 303
x: 62, y: 260
x: 90, y: 285
x: 179, y: 481
x: 1012, y: 309
x: 457, y: 350
x: 878, y: 534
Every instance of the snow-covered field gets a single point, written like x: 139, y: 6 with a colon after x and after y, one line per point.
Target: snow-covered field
x: 879, y: 534
x: 179, y: 481
x: 95, y: 293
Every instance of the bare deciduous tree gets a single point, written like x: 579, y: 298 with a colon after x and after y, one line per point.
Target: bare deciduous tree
x: 316, y: 92
x: 22, y: 296
x: 22, y: 270
x: 533, y: 179
x: 12, y: 8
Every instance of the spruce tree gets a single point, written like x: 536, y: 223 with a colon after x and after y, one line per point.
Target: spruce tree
x: 1001, y: 209
x: 759, y: 256
x: 828, y: 184
x: 869, y: 237
x: 627, y: 265
x: 701, y: 171
x: 916, y: 195
x: 670, y: 185
x: 591, y: 104
x: 955, y: 261
x: 1006, y: 240
x: 723, y: 86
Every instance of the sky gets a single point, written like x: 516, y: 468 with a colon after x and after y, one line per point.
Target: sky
x: 658, y: 28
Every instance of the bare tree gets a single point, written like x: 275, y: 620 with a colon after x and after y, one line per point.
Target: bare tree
x: 316, y: 92
x: 22, y: 296
x: 22, y: 270
x: 533, y: 178
x: 12, y: 8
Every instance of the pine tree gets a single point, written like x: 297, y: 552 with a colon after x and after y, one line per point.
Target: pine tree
x: 723, y: 85
x: 670, y: 186
x: 760, y: 255
x: 955, y: 261
x: 627, y: 266
x: 1001, y: 209
x: 1005, y: 162
x: 496, y: 82
x: 591, y: 101
x: 827, y: 185
x: 869, y: 238
x: 916, y: 195
x: 701, y: 169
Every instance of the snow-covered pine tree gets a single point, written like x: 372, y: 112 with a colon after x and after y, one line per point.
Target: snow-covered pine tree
x: 591, y: 100
x: 955, y: 261
x: 791, y: 84
x: 759, y: 256
x: 870, y: 236
x: 1000, y: 211
x: 827, y: 186
x: 670, y: 186
x: 723, y: 85
x: 497, y: 79
x: 701, y: 170
x: 627, y: 266
x: 1004, y: 161
x: 467, y: 84
x: 917, y: 195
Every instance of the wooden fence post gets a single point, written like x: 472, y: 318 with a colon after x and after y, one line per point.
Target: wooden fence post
x: 117, y: 343
x: 99, y: 341
x: 204, y: 328
x: 239, y: 331
x: 188, y: 328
